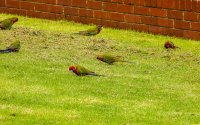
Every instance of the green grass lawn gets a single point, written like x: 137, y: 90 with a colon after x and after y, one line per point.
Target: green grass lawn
x: 36, y: 86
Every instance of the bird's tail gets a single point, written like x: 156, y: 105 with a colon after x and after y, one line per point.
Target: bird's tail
x: 126, y: 61
x: 177, y: 47
x: 75, y: 34
x: 5, y: 51
x: 94, y: 74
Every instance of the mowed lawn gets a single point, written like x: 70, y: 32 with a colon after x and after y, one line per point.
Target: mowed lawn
x: 36, y: 86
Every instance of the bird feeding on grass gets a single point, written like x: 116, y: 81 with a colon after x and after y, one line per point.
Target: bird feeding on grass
x: 81, y: 71
x: 90, y: 32
x: 14, y: 47
x: 7, y: 23
x: 110, y: 59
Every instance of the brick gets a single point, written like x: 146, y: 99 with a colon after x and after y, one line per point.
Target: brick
x: 182, y: 4
x: 78, y: 19
x: 60, y: 16
x: 137, y: 2
x: 165, y: 4
x: 67, y: 17
x: 191, y: 34
x: 93, y: 21
x: 64, y: 2
x: 11, y: 3
x: 101, y: 14
x: 19, y: 12
x: 105, y: 0
x: 158, y: 12
x: 27, y: 5
x: 132, y: 18
x: 142, y: 10
x: 85, y: 12
x: 37, y: 1
x: 56, y: 9
x: 34, y: 14
x: 49, y: 1
x: 110, y: 6
x: 198, y: 7
x: 156, y: 30
x: 174, y: 14
x: 71, y: 10
x: 177, y: 4
x: 195, y: 26
x: 115, y: 1
x: 174, y: 32
x: 140, y: 28
x: 190, y: 16
x: 48, y: 16
x: 147, y: 3
x: 41, y: 7
x: 188, y: 5
x: 194, y: 6
x: 153, y: 3
x: 142, y: 2
x: 171, y: 4
x: 106, y: 23
x: 149, y: 20
x: 125, y: 8
x: 94, y: 5
x: 3, y: 3
x: 181, y: 24
x: 122, y: 25
x: 127, y: 1
x: 6, y: 10
x: 116, y: 16
x: 79, y: 3
x: 165, y: 22
x: 159, y: 3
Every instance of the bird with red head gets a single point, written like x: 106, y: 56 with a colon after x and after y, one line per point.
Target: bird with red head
x: 7, y: 23
x: 169, y: 44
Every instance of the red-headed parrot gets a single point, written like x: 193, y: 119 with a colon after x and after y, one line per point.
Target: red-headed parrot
x: 90, y: 32
x: 169, y: 44
x: 110, y: 58
x: 7, y: 23
x: 81, y: 71
x: 14, y: 47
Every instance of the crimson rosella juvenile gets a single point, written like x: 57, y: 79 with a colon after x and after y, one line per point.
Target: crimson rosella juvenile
x: 7, y: 23
x: 169, y: 44
x: 90, y: 32
x: 14, y: 47
x: 81, y: 71
x: 110, y: 58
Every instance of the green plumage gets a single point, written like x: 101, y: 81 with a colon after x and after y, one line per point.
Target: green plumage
x: 90, y: 32
x: 81, y: 71
x: 7, y: 23
x: 14, y: 47
x: 107, y: 58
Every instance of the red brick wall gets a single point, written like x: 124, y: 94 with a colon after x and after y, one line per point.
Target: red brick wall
x: 178, y: 18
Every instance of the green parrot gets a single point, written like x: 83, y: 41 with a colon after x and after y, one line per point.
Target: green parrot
x: 7, y: 23
x: 81, y: 71
x: 14, y: 47
x: 90, y: 32
x: 107, y: 58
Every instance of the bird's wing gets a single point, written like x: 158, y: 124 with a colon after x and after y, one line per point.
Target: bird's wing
x: 15, y: 45
x: 7, y: 23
